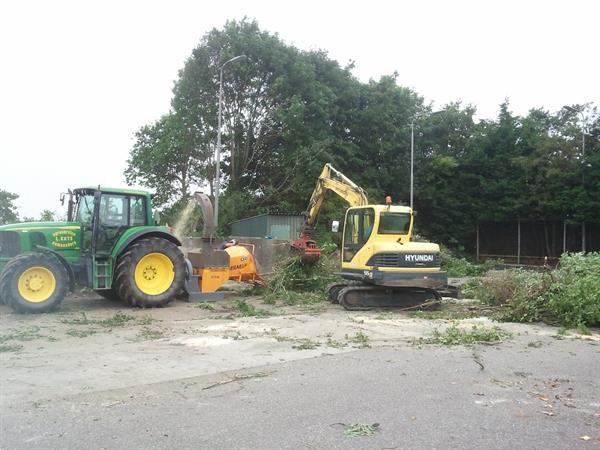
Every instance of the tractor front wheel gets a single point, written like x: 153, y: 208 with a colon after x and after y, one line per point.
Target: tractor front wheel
x: 34, y: 283
x: 150, y: 273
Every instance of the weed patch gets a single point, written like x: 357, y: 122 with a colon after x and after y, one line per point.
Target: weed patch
x: 360, y: 339
x: 205, y: 305
x: 6, y: 347
x: 306, y: 344
x: 81, y: 333
x: 149, y: 334
x: 23, y: 334
x: 245, y: 309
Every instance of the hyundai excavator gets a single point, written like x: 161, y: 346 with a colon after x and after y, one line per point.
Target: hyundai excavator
x: 380, y: 264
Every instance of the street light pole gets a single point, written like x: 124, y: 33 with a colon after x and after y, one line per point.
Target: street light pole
x: 218, y: 149
x: 412, y: 159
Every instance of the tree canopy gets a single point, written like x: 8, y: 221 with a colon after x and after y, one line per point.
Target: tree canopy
x: 287, y: 112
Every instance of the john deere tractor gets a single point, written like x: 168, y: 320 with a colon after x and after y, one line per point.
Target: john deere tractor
x: 110, y: 243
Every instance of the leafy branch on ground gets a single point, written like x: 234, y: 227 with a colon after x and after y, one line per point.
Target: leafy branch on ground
x: 568, y: 295
x: 245, y: 309
x: 118, y: 320
x: 296, y: 282
x: 361, y: 429
x: 476, y: 335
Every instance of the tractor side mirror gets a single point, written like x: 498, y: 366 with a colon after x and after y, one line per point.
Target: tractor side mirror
x: 335, y: 226
x: 62, y: 198
x: 414, y: 213
x: 156, y: 218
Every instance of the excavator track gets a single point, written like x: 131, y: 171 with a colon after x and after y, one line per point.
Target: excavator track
x: 366, y: 297
x: 333, y: 290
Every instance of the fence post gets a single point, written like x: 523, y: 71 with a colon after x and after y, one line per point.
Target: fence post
x: 519, y: 241
x: 564, y: 236
x: 477, y: 240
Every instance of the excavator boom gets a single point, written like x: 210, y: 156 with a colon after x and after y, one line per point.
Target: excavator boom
x: 335, y: 181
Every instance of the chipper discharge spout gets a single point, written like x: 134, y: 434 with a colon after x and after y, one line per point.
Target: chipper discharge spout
x: 213, y: 264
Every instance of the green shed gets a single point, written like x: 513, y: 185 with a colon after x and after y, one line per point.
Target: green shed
x: 275, y: 226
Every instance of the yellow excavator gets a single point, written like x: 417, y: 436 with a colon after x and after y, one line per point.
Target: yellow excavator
x: 381, y: 265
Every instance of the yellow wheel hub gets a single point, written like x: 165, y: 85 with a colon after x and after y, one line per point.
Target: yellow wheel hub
x: 36, y: 284
x: 154, y: 273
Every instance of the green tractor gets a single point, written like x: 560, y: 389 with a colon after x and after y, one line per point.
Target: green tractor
x: 111, y: 243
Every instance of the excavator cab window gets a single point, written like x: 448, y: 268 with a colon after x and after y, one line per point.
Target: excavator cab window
x: 357, y: 230
x: 394, y: 223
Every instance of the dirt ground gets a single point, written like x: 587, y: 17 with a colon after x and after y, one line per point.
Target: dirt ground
x: 93, y: 344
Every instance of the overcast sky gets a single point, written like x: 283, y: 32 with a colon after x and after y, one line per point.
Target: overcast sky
x: 78, y: 78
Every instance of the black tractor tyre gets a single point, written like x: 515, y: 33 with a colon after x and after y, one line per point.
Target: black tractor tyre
x: 125, y: 284
x: 9, y: 282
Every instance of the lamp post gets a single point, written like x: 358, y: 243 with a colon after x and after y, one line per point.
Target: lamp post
x: 218, y: 149
x: 583, y: 130
x: 412, y: 159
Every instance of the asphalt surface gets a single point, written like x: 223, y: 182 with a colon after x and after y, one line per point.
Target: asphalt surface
x: 535, y: 393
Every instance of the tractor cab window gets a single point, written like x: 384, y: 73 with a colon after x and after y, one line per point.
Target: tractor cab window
x: 114, y: 219
x: 85, y: 209
x: 394, y: 223
x: 137, y: 211
x: 113, y: 211
x: 357, y: 230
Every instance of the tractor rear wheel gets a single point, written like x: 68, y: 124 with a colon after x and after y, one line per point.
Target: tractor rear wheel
x: 34, y: 283
x: 150, y: 273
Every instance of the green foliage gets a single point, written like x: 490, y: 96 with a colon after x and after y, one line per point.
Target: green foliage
x: 292, y: 274
x: 287, y: 112
x: 21, y: 334
x: 245, y: 309
x: 119, y: 319
x: 574, y: 297
x: 568, y: 295
x: 457, y: 266
x: 47, y: 216
x: 168, y: 156
x: 476, y: 335
x: 361, y: 429
x: 8, y: 211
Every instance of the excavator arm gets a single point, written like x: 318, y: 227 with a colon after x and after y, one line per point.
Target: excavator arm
x: 335, y: 181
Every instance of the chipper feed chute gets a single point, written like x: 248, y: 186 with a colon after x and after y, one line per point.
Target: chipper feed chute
x: 213, y: 264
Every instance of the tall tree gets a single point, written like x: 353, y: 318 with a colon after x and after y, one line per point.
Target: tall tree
x: 8, y: 211
x: 168, y: 156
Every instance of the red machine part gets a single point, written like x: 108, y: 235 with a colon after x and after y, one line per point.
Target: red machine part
x: 307, y: 247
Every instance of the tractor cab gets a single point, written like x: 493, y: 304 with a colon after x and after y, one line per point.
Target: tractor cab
x: 105, y: 215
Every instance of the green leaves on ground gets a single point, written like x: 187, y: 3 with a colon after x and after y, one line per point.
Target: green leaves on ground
x: 361, y: 429
x: 476, y: 335
x: 568, y: 296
